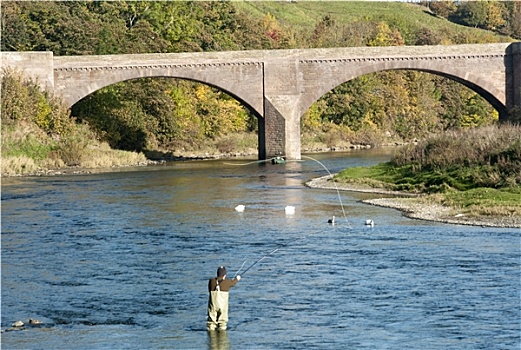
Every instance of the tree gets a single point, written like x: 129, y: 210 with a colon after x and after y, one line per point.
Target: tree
x: 472, y: 13
x: 325, y: 33
x: 426, y: 36
x: 496, y: 19
x: 443, y: 8
x: 385, y: 36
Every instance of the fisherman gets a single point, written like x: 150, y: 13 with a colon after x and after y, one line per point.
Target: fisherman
x: 218, y: 300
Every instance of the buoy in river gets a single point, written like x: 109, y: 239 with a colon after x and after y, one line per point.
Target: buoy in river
x: 289, y: 210
x: 18, y: 324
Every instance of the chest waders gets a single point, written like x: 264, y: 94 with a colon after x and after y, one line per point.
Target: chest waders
x: 217, y: 309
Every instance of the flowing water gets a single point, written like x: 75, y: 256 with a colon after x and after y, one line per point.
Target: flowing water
x: 121, y: 260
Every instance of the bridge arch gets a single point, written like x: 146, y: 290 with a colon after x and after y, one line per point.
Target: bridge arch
x: 489, y: 92
x: 241, y: 80
x: 89, y: 89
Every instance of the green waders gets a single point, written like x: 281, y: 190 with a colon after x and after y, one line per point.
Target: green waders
x: 217, y: 310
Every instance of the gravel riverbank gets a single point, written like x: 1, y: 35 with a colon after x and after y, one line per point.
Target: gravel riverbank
x: 417, y: 207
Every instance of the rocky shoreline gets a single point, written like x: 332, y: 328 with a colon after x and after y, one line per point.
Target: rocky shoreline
x: 417, y: 207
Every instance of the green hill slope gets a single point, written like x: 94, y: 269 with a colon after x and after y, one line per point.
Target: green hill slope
x: 408, y: 18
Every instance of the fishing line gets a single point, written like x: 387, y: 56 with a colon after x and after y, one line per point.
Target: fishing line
x: 261, y: 161
x: 336, y: 187
x: 240, y: 268
x: 300, y: 238
x: 313, y: 159
x: 276, y: 249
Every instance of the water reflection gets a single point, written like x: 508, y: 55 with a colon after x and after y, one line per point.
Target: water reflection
x: 218, y: 340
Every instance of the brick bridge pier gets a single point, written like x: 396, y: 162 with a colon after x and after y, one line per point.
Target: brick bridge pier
x: 278, y: 86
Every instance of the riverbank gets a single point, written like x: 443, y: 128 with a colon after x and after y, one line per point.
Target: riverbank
x: 417, y: 207
x: 79, y: 170
x: 158, y: 158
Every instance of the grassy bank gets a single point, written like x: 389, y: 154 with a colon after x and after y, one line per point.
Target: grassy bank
x: 475, y: 172
x: 26, y: 150
x: 39, y: 135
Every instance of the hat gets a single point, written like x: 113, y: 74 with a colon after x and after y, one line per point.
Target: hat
x: 221, y: 271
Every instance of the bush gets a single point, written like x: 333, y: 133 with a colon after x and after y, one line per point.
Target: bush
x: 102, y: 156
x: 368, y: 137
x: 469, y: 147
x: 23, y: 100
x: 18, y: 165
x: 72, y: 148
x: 487, y: 156
x: 27, y: 142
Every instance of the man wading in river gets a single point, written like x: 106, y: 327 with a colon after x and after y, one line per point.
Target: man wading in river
x: 218, y: 300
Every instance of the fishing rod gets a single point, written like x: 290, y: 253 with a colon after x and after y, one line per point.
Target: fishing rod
x: 258, y: 261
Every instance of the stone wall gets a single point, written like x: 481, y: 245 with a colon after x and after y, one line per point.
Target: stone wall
x: 274, y: 131
x: 37, y: 65
x: 513, y: 82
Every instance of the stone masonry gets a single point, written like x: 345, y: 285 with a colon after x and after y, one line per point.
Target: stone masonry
x: 278, y: 86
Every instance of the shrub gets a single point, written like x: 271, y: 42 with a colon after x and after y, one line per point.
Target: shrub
x: 102, y: 156
x: 487, y: 156
x: 18, y: 165
x: 23, y: 100
x: 72, y: 148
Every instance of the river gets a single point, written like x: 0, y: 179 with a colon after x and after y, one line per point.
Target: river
x: 121, y: 260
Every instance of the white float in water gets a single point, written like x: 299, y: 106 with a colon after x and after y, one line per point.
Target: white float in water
x: 369, y: 222
x: 240, y: 208
x: 18, y: 324
x: 289, y: 210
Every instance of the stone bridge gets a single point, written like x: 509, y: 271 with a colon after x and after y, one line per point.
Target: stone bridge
x: 278, y: 86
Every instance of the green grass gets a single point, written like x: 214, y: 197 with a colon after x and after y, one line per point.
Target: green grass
x: 402, y: 178
x: 448, y: 189
x: 382, y: 175
x: 486, y: 202
x: 485, y: 197
x: 408, y: 18
x: 455, y: 185
x: 382, y: 172
x: 28, y: 147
